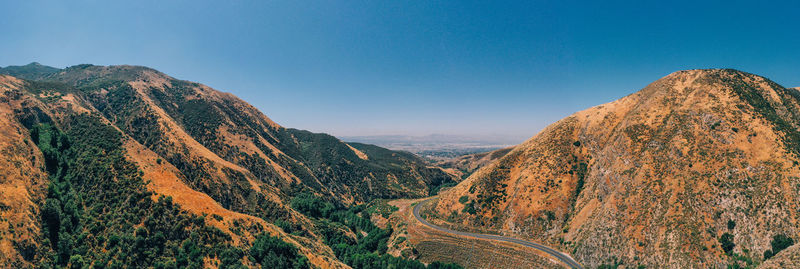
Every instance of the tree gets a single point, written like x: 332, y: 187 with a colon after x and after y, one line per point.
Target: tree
x: 76, y: 261
x: 726, y: 240
x: 272, y: 252
x: 441, y: 265
x: 779, y: 242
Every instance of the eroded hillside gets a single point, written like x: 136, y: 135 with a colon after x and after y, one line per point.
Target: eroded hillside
x: 697, y: 170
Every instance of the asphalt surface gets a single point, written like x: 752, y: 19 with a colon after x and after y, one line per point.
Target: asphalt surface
x: 565, y: 258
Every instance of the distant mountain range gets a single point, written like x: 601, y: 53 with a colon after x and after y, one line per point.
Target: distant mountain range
x: 439, y: 147
x: 437, y: 139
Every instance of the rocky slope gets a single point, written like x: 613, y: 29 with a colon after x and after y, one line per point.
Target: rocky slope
x: 210, y: 152
x: 697, y: 170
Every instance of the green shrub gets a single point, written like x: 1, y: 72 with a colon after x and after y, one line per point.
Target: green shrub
x: 779, y: 242
x: 367, y: 251
x: 470, y: 208
x: 312, y: 206
x: 94, y: 190
x: 726, y: 241
x: 272, y: 252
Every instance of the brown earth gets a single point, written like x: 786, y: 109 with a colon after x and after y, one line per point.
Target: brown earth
x: 22, y: 183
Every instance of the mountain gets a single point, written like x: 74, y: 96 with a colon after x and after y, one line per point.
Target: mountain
x: 436, y: 139
x: 438, y: 147
x: 31, y: 71
x: 697, y: 170
x: 102, y: 159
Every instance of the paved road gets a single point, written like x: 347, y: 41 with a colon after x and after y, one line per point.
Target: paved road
x: 565, y: 258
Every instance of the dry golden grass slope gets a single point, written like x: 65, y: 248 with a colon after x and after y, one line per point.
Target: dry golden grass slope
x: 23, y: 184
x: 655, y: 178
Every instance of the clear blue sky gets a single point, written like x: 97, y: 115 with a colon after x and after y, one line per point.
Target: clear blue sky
x: 412, y: 67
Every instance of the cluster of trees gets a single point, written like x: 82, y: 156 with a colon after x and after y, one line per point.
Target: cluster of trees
x: 779, y: 242
x: 726, y: 242
x: 99, y: 214
x: 361, y: 251
x: 272, y: 252
x: 95, y: 199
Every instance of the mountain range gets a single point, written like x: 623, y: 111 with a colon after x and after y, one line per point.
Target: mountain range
x: 124, y: 166
x: 92, y: 153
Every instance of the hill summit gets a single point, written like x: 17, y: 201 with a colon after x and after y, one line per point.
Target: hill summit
x: 697, y: 170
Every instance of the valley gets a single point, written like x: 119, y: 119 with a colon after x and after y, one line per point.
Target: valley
x: 562, y: 257
x: 414, y: 239
x: 125, y: 166
x: 399, y: 134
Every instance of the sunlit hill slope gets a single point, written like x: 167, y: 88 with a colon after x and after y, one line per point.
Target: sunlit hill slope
x: 99, y: 157
x: 697, y: 170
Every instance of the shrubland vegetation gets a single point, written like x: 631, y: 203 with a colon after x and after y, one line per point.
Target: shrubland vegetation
x: 353, y: 237
x: 99, y: 214
x: 764, y: 107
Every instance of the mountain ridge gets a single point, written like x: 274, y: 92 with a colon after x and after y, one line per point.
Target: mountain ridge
x: 641, y: 178
x: 213, y: 153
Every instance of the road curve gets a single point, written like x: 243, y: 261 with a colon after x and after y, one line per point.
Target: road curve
x: 565, y: 258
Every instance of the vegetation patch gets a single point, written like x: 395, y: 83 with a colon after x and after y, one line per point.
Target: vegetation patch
x: 779, y: 242
x: 726, y: 242
x: 353, y: 237
x: 759, y: 103
x: 99, y: 213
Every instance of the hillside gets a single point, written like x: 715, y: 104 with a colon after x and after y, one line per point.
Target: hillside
x: 789, y: 258
x: 697, y: 170
x: 88, y: 140
x: 465, y: 165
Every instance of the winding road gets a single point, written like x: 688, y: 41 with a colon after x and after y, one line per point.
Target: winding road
x: 565, y: 258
